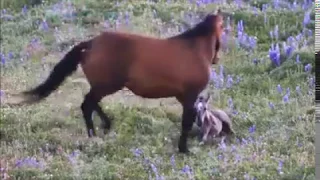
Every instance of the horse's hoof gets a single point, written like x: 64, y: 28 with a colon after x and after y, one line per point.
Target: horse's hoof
x: 106, y: 127
x: 184, y: 150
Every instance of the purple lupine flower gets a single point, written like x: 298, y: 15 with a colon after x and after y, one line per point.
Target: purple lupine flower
x: 285, y: 98
x: 222, y: 145
x: 214, y: 77
x: 10, y: 55
x: 288, y: 91
x: 230, y: 103
x: 306, y: 19
x: 229, y: 81
x: 271, y: 34
x: 24, y: 9
x: 276, y: 4
x: 280, y: 166
x: 274, y: 54
x: 311, y: 82
x: 44, y: 25
x: 288, y: 49
x: 244, y: 141
x: 187, y: 170
x: 173, y: 162
x: 279, y: 88
x: 29, y: 162
x: 308, y: 67
x: 1, y: 93
x: 127, y: 17
x: 3, y: 58
x: 221, y: 70
x: 271, y: 105
x: 155, y: 170
x: 252, y: 129
x: 298, y: 59
x: 137, y: 152
x: 264, y: 7
x: 255, y: 61
x: 237, y: 158
x: 238, y: 79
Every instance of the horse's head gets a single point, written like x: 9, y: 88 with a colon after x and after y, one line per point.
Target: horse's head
x: 214, y: 22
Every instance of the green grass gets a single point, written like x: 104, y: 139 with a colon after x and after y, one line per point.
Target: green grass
x: 53, y: 131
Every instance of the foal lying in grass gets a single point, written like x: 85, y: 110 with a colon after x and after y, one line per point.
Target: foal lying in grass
x: 211, y: 122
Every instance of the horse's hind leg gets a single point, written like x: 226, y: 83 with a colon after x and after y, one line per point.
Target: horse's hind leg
x: 106, y: 122
x: 87, y: 107
x: 90, y: 104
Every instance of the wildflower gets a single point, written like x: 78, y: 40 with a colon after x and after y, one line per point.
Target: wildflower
x: 24, y: 9
x: 3, y: 58
x: 311, y: 82
x: 308, y: 67
x: 288, y: 91
x: 10, y: 55
x: 271, y: 105
x: 173, y: 162
x: 288, y: 49
x: 137, y: 152
x: 222, y: 145
x: 306, y: 19
x: 252, y: 129
x: 1, y: 93
x: 238, y: 79
x: 255, y: 61
x: 155, y: 170
x: 44, y: 25
x: 229, y: 81
x: 187, y: 170
x: 280, y: 165
x: 221, y: 70
x: 285, y: 98
x: 29, y: 162
x: 279, y: 89
x: 237, y: 158
x: 274, y: 55
x: 276, y: 4
x: 244, y: 141
x: 298, y: 59
x: 230, y: 103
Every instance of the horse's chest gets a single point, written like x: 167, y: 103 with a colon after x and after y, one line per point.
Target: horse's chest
x: 199, y: 79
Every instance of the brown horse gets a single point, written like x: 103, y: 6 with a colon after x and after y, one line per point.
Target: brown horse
x: 151, y: 68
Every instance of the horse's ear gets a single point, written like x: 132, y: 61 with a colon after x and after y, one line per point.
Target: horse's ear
x: 219, y: 12
x: 207, y: 98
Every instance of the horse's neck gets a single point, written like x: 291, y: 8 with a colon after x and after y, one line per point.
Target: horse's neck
x: 206, y: 48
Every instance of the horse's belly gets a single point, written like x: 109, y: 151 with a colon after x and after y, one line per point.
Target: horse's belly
x: 153, y: 90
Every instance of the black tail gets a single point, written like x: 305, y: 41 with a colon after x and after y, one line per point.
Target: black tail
x: 64, y: 68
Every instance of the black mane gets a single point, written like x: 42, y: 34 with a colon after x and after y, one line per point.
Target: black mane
x: 202, y: 29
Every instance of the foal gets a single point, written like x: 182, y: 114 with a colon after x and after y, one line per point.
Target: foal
x: 211, y: 122
x: 151, y: 68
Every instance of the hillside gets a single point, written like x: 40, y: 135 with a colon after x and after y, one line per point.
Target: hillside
x: 266, y: 76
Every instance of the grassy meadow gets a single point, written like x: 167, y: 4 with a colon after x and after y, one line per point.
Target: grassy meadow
x: 265, y: 76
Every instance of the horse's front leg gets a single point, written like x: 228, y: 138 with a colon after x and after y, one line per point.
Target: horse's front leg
x: 188, y: 117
